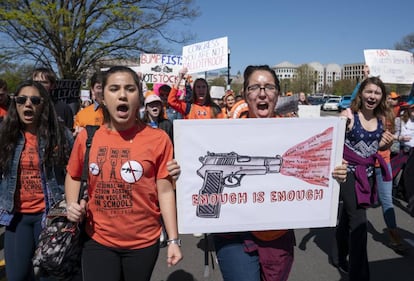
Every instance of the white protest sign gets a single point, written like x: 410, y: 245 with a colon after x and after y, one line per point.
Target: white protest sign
x: 160, y: 68
x: 307, y: 111
x: 205, y: 56
x: 257, y: 174
x: 85, y: 95
x: 216, y: 92
x: 392, y: 66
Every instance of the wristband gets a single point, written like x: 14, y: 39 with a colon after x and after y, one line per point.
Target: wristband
x: 174, y: 241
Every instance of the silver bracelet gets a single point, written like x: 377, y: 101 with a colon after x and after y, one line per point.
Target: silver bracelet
x: 174, y: 241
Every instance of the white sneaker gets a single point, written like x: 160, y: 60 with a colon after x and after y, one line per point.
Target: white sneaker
x: 198, y: 235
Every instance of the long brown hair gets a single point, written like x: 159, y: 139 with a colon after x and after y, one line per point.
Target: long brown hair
x: 381, y: 110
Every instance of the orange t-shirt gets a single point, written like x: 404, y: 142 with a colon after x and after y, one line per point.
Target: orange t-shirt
x: 239, y: 109
x: 30, y: 198
x: 196, y: 111
x: 3, y: 111
x: 123, y: 210
x: 386, y: 154
x: 89, y: 116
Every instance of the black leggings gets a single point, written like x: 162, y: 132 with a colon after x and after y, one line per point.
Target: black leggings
x: 351, y: 232
x: 103, y: 263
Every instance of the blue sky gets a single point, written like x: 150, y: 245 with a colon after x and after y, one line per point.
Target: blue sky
x: 302, y: 31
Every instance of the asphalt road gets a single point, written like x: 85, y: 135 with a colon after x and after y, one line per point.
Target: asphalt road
x: 311, y: 255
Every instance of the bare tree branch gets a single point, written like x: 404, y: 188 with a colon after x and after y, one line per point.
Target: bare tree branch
x: 73, y: 35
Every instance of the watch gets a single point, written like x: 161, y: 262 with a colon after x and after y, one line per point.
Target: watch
x: 174, y: 241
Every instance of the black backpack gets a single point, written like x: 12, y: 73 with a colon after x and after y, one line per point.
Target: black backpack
x: 58, y: 253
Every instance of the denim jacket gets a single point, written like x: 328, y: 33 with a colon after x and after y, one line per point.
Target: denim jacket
x: 52, y: 179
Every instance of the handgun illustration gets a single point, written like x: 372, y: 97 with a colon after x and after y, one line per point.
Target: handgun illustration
x: 221, y: 170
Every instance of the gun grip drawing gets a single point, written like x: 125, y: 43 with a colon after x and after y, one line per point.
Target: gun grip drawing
x: 213, y: 183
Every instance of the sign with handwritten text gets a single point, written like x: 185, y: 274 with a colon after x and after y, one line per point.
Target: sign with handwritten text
x: 205, y: 56
x: 392, y: 66
x: 67, y: 90
x: 160, y: 68
x: 276, y: 174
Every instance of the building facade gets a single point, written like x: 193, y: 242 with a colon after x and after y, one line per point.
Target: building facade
x: 325, y: 75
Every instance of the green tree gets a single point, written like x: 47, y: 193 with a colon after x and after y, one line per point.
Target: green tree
x: 343, y: 87
x: 304, y: 81
x: 74, y: 35
x: 406, y: 44
x: 285, y: 85
x: 219, y: 81
x: 14, y: 74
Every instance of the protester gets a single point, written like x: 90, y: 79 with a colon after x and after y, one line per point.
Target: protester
x: 199, y: 104
x: 259, y: 255
x: 4, y: 98
x: 407, y: 136
x: 48, y: 79
x: 92, y: 114
x: 129, y: 188
x: 385, y: 188
x: 35, y: 151
x: 229, y: 102
x: 238, y: 97
x: 303, y: 99
x: 364, y: 136
x: 154, y: 115
x: 172, y: 114
x: 393, y: 100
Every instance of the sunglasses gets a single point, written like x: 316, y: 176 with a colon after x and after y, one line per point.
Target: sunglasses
x: 35, y: 100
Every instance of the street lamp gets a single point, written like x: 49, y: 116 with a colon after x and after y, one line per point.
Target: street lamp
x: 228, y: 69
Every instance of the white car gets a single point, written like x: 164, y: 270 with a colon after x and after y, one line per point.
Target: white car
x: 331, y: 104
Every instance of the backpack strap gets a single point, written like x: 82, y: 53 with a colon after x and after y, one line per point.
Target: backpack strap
x: 84, y: 178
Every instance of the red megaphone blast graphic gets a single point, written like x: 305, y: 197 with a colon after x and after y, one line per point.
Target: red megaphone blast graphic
x: 310, y: 160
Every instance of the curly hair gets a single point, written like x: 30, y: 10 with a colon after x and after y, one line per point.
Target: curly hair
x: 48, y: 129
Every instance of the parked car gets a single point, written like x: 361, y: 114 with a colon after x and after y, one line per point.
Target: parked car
x: 331, y: 104
x: 316, y: 100
x: 344, y: 103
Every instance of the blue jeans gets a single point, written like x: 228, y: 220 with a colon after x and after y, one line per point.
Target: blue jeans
x: 235, y: 263
x: 20, y: 240
x: 385, y: 197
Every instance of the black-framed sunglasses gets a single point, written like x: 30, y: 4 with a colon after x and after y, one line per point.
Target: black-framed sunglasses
x: 35, y: 100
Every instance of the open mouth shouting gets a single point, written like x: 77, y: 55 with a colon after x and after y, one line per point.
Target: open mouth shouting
x: 122, y: 110
x: 28, y: 115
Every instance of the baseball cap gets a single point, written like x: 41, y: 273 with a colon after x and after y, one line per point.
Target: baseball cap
x: 394, y: 95
x: 151, y: 98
